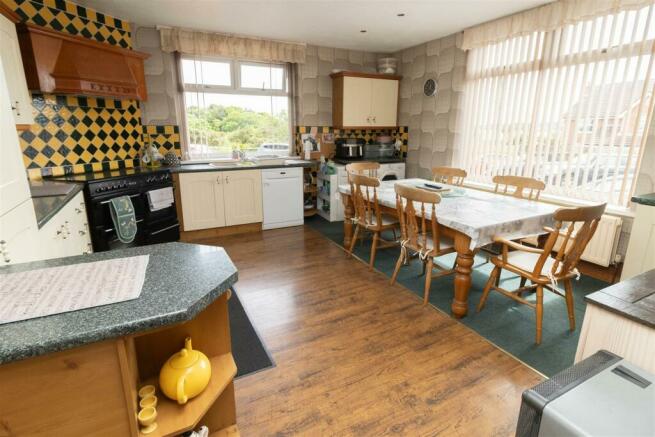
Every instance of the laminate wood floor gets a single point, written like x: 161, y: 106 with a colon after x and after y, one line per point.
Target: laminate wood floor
x: 356, y: 356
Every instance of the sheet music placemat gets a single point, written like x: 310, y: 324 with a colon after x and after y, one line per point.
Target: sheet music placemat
x: 54, y: 290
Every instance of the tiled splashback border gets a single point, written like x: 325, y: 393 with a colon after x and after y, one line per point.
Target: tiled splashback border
x: 369, y: 135
x: 70, y: 133
x: 68, y: 17
x: 75, y: 134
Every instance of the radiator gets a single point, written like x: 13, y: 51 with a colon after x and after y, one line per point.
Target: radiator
x: 601, y: 249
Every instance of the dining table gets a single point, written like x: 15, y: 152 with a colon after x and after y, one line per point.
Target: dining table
x: 470, y: 217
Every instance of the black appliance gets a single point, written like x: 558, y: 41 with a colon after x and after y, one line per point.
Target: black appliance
x: 152, y: 226
x: 349, y: 148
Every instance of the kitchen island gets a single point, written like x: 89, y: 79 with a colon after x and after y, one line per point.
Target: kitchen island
x: 77, y: 373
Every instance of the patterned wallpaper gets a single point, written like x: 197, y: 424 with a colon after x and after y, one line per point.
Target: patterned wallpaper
x: 75, y: 134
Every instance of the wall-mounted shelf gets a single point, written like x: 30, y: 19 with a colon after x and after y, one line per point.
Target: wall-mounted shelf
x: 174, y: 419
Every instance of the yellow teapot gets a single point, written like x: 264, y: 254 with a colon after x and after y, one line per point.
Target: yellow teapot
x: 185, y: 374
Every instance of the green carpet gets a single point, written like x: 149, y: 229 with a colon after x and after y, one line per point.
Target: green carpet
x: 508, y: 324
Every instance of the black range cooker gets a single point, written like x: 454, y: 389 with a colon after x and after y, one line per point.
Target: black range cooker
x: 158, y: 226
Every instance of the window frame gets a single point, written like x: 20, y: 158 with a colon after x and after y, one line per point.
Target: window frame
x: 541, y: 64
x: 235, y: 89
x: 235, y: 78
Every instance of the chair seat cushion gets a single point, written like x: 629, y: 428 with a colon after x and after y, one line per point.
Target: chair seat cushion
x: 527, y: 261
x: 387, y: 220
x: 444, y: 244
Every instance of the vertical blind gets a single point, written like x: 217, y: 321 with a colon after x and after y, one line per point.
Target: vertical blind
x: 569, y: 107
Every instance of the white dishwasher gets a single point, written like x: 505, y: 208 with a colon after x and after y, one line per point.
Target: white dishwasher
x: 282, y: 193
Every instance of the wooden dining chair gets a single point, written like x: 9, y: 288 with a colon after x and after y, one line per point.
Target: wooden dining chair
x: 542, y: 268
x: 520, y: 184
x: 366, y: 168
x: 449, y: 175
x: 420, y: 232
x: 367, y: 214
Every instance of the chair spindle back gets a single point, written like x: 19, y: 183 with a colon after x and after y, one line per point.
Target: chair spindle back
x: 520, y: 184
x: 449, y: 175
x: 414, y: 227
x: 581, y: 223
x: 365, y: 199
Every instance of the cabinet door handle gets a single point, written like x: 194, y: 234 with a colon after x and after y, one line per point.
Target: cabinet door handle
x: 15, y: 108
x: 218, y: 180
x: 227, y: 179
x: 77, y: 210
x: 82, y: 232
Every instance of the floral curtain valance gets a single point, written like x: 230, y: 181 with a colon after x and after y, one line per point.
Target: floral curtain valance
x: 199, y: 43
x: 544, y: 18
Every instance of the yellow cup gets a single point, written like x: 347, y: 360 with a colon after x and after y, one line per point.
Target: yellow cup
x: 148, y: 401
x: 146, y: 390
x: 147, y: 416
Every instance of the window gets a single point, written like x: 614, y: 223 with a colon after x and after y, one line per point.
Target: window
x: 568, y: 107
x: 236, y: 105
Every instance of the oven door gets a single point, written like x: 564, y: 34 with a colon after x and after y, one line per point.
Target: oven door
x: 103, y: 234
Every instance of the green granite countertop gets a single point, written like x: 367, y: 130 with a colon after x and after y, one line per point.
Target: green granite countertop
x: 47, y: 205
x: 202, y: 167
x: 181, y: 280
x: 644, y: 199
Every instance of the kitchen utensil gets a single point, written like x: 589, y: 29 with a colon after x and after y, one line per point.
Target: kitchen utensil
x: 387, y: 65
x: 146, y: 418
x: 170, y: 158
x: 146, y: 390
x: 185, y: 374
x: 148, y: 401
x: 351, y: 148
x: 379, y: 151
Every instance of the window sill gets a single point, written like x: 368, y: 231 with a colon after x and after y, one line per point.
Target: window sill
x: 560, y: 201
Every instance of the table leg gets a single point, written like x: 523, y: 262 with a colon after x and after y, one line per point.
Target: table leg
x: 348, y: 213
x: 459, y: 307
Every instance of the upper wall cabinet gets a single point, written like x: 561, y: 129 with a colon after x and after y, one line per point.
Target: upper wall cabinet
x: 363, y: 100
x: 56, y: 62
x: 13, y: 66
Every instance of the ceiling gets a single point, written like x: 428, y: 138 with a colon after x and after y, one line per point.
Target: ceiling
x: 334, y: 23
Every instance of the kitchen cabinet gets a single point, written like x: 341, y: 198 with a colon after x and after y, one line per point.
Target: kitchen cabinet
x: 243, y: 197
x: 363, y: 100
x: 21, y: 102
x: 640, y: 256
x: 282, y: 191
x: 220, y: 198
x: 18, y: 230
x: 67, y: 233
x: 14, y: 188
x: 202, y: 200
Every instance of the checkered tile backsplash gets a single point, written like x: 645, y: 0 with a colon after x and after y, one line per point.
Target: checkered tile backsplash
x: 71, y: 18
x: 369, y: 135
x: 71, y: 134
x: 74, y: 134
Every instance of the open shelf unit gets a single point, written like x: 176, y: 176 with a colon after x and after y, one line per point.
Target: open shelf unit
x: 215, y: 406
x: 310, y: 189
x: 174, y: 419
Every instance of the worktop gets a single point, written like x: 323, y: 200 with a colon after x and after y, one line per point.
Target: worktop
x: 644, y: 199
x: 181, y: 280
x: 621, y: 319
x: 204, y: 167
x: 47, y: 206
x: 633, y: 299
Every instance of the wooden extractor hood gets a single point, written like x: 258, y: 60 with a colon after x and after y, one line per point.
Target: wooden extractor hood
x: 56, y: 62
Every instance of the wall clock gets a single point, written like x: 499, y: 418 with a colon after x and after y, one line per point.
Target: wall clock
x: 430, y: 87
